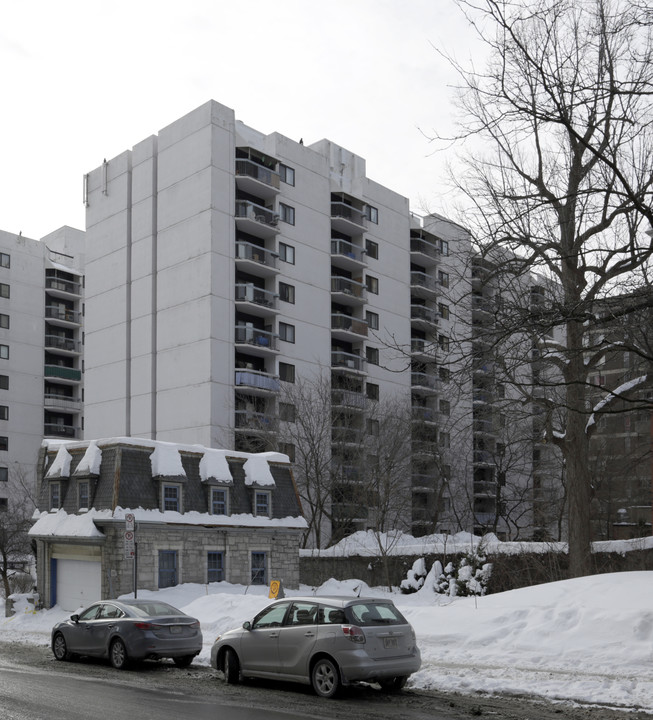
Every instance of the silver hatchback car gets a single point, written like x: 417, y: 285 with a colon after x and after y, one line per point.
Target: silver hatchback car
x: 326, y: 642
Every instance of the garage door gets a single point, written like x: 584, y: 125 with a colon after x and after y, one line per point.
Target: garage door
x: 78, y: 583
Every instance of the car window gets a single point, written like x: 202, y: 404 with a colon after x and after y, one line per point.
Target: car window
x: 331, y: 616
x: 90, y: 613
x: 270, y: 617
x: 109, y: 611
x: 302, y: 613
x: 376, y: 614
x: 152, y: 609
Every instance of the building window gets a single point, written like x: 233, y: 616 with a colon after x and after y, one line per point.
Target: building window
x: 443, y: 310
x: 444, y: 440
x: 443, y: 343
x: 372, y: 214
x: 4, y: 352
x: 171, y: 498
x: 82, y: 495
x: 372, y: 320
x: 287, y: 292
x: 444, y: 247
x: 288, y: 449
x: 167, y: 568
x: 4, y: 442
x: 287, y: 412
x: 372, y: 427
x: 259, y: 568
x: 4, y: 290
x: 4, y: 321
x: 372, y: 355
x: 287, y: 332
x: 372, y: 284
x: 5, y: 260
x: 4, y: 412
x: 372, y: 391
x: 4, y: 382
x: 219, y: 501
x: 4, y: 474
x: 372, y: 249
x: 286, y: 372
x: 286, y: 253
x: 287, y: 213
x: 287, y: 175
x: 444, y: 373
x: 445, y: 407
x: 443, y: 278
x: 262, y: 503
x: 4, y: 504
x: 55, y: 495
x: 214, y: 567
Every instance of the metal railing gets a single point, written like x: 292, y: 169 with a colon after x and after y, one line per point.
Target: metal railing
x: 55, y: 312
x: 343, y: 359
x: 62, y: 343
x: 248, y: 292
x: 65, y: 373
x: 347, y: 286
x: 252, y: 211
x: 347, y: 249
x: 255, y: 253
x: 254, y: 336
x: 257, y: 379
x: 67, y: 286
x: 339, y: 321
x: 248, y: 168
x: 348, y: 212
x: 426, y: 314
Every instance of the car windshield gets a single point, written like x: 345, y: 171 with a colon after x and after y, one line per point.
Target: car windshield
x: 375, y: 614
x: 152, y: 608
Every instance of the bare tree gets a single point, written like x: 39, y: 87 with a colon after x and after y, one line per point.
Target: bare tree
x: 559, y: 178
x: 15, y: 523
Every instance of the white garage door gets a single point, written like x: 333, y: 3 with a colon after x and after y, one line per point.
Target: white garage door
x: 78, y: 583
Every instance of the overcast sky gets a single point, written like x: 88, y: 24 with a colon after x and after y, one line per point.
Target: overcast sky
x: 83, y: 80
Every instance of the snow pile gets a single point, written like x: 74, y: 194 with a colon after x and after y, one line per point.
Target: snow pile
x: 166, y: 461
x: 61, y: 465
x: 90, y: 463
x: 588, y: 640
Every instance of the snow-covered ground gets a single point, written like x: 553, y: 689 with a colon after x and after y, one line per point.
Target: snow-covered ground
x: 587, y: 640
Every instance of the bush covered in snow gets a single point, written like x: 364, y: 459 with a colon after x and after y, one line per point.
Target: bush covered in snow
x: 414, y: 578
x: 469, y: 577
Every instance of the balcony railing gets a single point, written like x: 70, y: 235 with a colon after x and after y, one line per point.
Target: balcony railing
x: 54, y: 312
x: 483, y: 426
x: 248, y: 168
x: 65, y: 373
x: 252, y: 211
x: 347, y: 360
x: 257, y: 379
x: 420, y: 379
x: 422, y: 280
x: 254, y: 336
x: 62, y: 343
x: 69, y: 431
x: 424, y: 314
x: 421, y: 480
x: 419, y: 245
x: 340, y: 321
x: 52, y: 400
x: 251, y: 420
x: 424, y: 447
x: 67, y: 286
x: 347, y: 249
x: 248, y: 292
x: 348, y: 212
x: 482, y: 487
x: 423, y: 414
x: 347, y: 286
x: 348, y: 398
x: 346, y: 435
x: 255, y: 253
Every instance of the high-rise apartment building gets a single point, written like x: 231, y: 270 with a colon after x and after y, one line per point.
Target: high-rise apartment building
x: 41, y: 294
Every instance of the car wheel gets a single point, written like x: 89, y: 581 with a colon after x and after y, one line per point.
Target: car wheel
x: 325, y: 678
x: 118, y: 654
x: 183, y: 661
x: 231, y: 667
x: 59, y: 647
x: 393, y: 684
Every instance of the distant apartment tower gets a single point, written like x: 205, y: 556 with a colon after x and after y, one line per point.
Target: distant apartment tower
x: 41, y: 292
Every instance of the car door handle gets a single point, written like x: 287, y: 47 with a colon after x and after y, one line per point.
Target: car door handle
x: 273, y: 636
x: 309, y: 634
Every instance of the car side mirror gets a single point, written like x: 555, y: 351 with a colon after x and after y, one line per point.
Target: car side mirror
x: 74, y: 618
x: 247, y: 625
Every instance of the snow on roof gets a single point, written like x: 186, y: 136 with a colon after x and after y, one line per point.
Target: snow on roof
x: 90, y: 463
x: 257, y: 471
x: 61, y: 465
x: 613, y: 395
x: 214, y: 465
x: 166, y: 461
x: 63, y: 525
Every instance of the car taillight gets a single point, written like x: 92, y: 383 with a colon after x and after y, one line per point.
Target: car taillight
x: 146, y: 626
x: 195, y: 625
x: 354, y: 633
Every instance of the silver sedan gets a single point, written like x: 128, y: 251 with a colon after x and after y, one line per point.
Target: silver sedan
x: 327, y: 642
x: 126, y: 630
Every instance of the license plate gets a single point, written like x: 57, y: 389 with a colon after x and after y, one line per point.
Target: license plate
x: 389, y: 643
x: 175, y: 629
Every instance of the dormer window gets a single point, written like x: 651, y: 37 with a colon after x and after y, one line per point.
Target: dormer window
x: 83, y: 494
x: 262, y: 503
x: 219, y: 501
x: 55, y: 495
x: 171, y: 497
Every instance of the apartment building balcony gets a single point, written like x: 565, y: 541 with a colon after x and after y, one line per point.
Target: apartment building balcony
x: 482, y: 307
x: 255, y: 259
x: 424, y: 447
x: 481, y: 271
x: 255, y: 300
x: 483, y: 367
x: 256, y: 219
x: 482, y: 397
x: 65, y: 289
x: 60, y: 430
x: 423, y: 383
x: 257, y: 382
x: 64, y: 345
x: 424, y: 252
x: 484, y: 518
x: 421, y: 414
x: 62, y: 403
x: 256, y: 179
x: 348, y: 361
x: 424, y: 317
x: 348, y: 328
x: 422, y: 482
x: 62, y: 316
x: 346, y: 435
x: 350, y: 473
x: 258, y: 342
x: 347, y: 218
x: 483, y: 427
x: 485, y: 489
x: 423, y: 285
x: 348, y: 399
x: 66, y: 375
x: 483, y: 457
x: 347, y: 255
x: 421, y: 348
x: 252, y: 421
x: 347, y: 291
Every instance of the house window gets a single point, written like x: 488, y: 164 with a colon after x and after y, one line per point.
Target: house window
x: 287, y: 213
x: 4, y: 412
x: 214, y: 567
x: 372, y: 320
x: 286, y: 372
x: 171, y: 497
x: 287, y: 332
x: 444, y: 247
x: 287, y: 412
x: 219, y: 501
x: 372, y: 249
x: 55, y: 495
x: 259, y: 568
x: 372, y: 284
x: 262, y: 503
x: 286, y: 253
x: 4, y: 290
x: 82, y: 495
x: 4, y: 352
x: 4, y: 442
x: 372, y: 355
x: 288, y: 449
x: 372, y: 427
x: 443, y: 310
x: 4, y: 321
x: 167, y: 568
x: 287, y: 292
x: 4, y: 474
x: 287, y: 174
x: 372, y: 391
x: 5, y: 260
x: 372, y: 214
x: 443, y: 278
x: 4, y: 382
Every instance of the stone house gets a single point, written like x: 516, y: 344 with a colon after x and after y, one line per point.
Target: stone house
x: 112, y: 509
